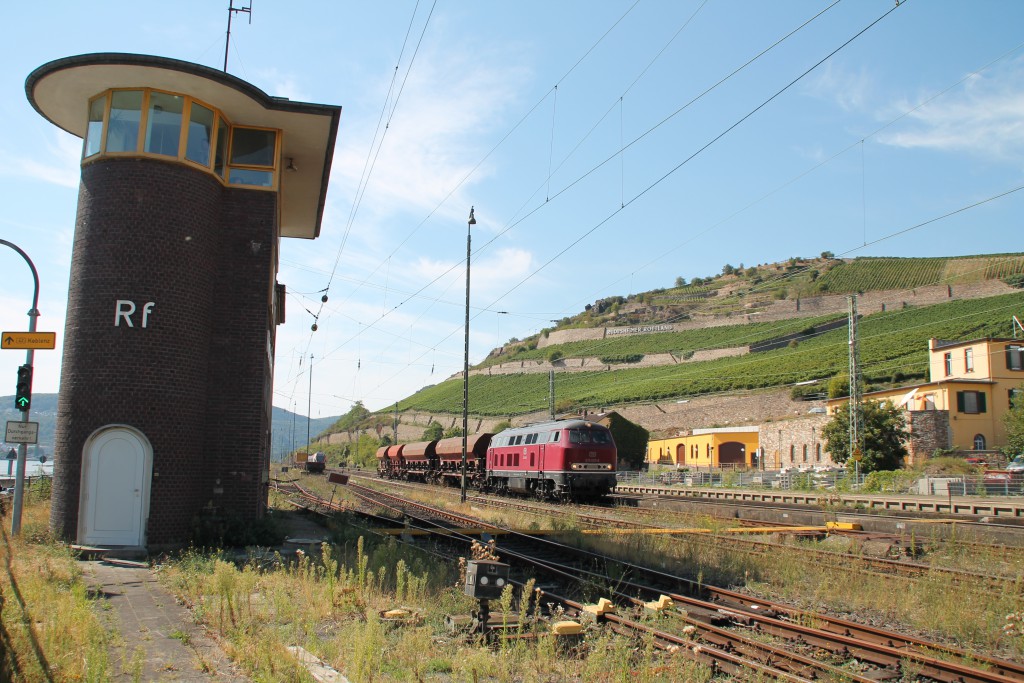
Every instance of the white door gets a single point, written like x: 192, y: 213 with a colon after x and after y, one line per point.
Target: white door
x: 114, y: 501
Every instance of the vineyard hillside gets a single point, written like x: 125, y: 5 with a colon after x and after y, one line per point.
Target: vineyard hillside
x: 798, y: 288
x: 756, y: 343
x: 893, y: 349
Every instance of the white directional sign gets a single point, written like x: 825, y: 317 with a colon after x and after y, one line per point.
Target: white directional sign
x: 22, y: 432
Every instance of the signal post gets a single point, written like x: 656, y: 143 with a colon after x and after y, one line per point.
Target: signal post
x: 22, y: 433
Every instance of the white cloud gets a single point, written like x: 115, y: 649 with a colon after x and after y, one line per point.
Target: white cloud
x: 59, y: 166
x: 452, y: 102
x: 984, y: 117
x: 847, y: 88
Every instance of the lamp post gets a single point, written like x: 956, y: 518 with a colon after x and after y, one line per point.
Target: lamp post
x: 465, y: 360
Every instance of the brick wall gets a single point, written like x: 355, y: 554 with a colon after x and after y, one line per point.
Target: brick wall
x: 193, y: 380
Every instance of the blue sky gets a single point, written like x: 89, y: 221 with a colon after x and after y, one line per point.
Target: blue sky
x: 602, y: 149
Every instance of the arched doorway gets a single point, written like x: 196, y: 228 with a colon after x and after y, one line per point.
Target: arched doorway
x: 732, y: 453
x: 113, y: 506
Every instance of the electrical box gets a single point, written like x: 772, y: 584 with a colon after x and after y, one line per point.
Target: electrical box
x: 486, y: 579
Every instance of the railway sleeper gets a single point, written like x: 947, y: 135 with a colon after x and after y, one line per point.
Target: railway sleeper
x: 701, y: 614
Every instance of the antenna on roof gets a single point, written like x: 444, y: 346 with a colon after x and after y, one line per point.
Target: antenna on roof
x: 233, y: 10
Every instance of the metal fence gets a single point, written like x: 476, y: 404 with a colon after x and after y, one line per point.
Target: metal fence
x: 988, y: 484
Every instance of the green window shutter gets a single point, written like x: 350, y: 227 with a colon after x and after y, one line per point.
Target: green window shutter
x: 981, y: 401
x: 960, y: 401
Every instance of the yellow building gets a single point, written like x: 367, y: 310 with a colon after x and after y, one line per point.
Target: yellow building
x: 718, y: 447
x: 973, y: 382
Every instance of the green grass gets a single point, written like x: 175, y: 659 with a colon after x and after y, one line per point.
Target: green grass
x: 677, y: 343
x: 890, y: 343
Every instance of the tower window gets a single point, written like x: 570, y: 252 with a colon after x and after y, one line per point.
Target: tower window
x: 200, y: 134
x: 163, y: 124
x: 125, y: 117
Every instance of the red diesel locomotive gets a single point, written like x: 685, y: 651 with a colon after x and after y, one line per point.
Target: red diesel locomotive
x: 564, y: 459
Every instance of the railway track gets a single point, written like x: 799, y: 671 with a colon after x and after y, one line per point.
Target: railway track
x: 597, y: 517
x: 726, y: 630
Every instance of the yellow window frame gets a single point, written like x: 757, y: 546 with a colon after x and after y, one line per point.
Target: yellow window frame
x: 186, y: 117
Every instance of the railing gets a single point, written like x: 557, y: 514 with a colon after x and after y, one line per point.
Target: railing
x: 988, y: 484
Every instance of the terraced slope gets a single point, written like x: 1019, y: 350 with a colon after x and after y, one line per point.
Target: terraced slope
x: 893, y: 348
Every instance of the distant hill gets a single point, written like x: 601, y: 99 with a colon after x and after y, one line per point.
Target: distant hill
x: 893, y: 351
x: 744, y: 289
x: 287, y: 427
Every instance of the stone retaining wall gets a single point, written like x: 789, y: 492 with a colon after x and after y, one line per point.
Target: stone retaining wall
x: 525, y: 367
x: 867, y: 303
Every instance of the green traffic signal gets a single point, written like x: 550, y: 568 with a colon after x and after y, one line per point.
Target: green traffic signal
x: 23, y: 391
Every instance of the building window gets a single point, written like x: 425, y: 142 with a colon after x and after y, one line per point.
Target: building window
x: 817, y: 452
x: 979, y: 442
x: 1014, y: 357
x: 969, y: 360
x: 971, y: 402
x: 151, y: 122
x: 163, y: 123
x: 805, y: 452
x: 253, y: 151
x: 94, y: 133
x: 948, y: 359
x: 123, y: 124
x: 1016, y: 397
x: 200, y: 134
x: 792, y: 453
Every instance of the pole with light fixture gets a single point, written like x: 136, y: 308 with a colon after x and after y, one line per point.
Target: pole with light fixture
x: 465, y: 360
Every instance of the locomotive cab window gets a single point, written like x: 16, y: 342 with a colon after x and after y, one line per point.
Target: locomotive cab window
x: 554, y: 437
x: 597, y: 436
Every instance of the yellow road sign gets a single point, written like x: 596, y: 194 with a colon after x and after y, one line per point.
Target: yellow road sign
x: 28, y: 340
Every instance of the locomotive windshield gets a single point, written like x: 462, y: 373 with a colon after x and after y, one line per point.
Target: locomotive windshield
x: 599, y: 436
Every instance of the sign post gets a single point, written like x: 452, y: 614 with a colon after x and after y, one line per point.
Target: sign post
x: 28, y: 340
x: 33, y: 313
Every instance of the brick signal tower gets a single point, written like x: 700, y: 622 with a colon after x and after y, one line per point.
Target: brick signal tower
x: 190, y: 178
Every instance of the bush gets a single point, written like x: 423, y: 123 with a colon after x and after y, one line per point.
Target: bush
x: 554, y: 355
x: 889, y: 481
x: 1015, y: 281
x: 839, y: 386
x: 622, y: 358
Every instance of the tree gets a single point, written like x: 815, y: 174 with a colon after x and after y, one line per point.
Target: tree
x: 839, y: 386
x: 727, y: 269
x: 352, y: 420
x: 452, y: 432
x: 680, y: 281
x: 826, y: 255
x: 433, y: 432
x: 1014, y: 421
x: 883, y: 431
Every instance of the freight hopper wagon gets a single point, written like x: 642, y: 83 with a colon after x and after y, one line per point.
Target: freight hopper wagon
x: 449, y: 460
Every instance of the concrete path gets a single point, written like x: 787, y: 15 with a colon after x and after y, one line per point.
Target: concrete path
x: 158, y: 640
